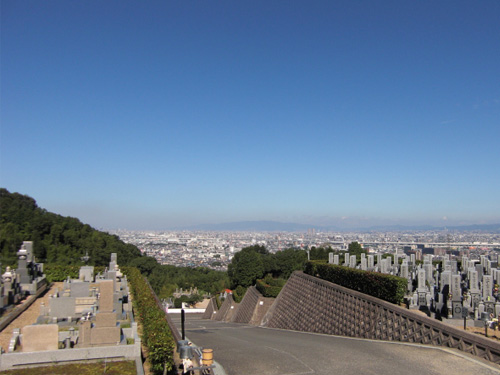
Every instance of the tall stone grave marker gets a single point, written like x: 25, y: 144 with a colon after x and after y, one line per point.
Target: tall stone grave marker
x: 352, y: 261
x: 106, y: 291
x: 363, y: 264
x: 336, y: 259
x: 346, y: 260
x: 487, y: 286
x: 371, y: 262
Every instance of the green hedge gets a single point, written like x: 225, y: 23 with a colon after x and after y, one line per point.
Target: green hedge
x: 156, y: 333
x: 270, y: 287
x: 387, y: 287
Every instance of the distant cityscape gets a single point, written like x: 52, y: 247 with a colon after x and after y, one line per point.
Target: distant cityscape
x: 215, y: 249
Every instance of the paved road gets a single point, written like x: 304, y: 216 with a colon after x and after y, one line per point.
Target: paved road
x: 244, y: 350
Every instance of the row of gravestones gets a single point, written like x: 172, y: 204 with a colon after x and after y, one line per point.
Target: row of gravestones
x: 451, y: 292
x: 27, y: 279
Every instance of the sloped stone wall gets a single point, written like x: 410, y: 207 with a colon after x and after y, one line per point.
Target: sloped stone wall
x: 211, y: 308
x: 309, y: 304
x: 261, y: 310
x: 225, y: 309
x: 247, y: 306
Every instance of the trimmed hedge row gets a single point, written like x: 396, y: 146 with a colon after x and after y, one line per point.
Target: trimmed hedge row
x: 156, y: 333
x: 270, y: 288
x: 387, y: 287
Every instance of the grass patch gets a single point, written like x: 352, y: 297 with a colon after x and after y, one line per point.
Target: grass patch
x: 98, y: 368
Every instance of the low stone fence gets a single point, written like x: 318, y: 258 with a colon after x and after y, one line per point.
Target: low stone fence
x: 310, y: 304
x: 55, y: 357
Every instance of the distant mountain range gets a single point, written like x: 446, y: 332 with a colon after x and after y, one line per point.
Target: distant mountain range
x: 255, y: 226
x: 275, y: 226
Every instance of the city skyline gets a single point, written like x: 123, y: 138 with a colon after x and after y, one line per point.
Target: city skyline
x: 166, y: 115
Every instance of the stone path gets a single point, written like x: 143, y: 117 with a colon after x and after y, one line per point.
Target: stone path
x: 26, y: 318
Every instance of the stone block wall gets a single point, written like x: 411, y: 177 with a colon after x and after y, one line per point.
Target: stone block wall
x: 309, y: 304
x: 211, y: 308
x: 247, y: 306
x: 225, y: 309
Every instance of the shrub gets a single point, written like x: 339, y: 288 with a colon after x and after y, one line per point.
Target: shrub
x: 270, y: 287
x: 239, y: 293
x: 387, y: 287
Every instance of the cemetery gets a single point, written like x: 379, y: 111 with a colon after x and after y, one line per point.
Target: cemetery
x: 27, y: 279
x: 90, y: 318
x: 447, y: 290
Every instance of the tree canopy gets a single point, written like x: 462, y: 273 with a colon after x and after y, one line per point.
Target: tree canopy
x: 254, y: 262
x: 56, y: 239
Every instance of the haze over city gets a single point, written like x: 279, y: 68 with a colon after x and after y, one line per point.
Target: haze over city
x: 165, y: 115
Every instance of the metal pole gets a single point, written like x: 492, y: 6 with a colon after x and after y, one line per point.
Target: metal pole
x: 465, y: 324
x: 183, y: 319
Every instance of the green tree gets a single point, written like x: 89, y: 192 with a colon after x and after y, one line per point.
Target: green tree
x: 355, y: 248
x: 246, y: 267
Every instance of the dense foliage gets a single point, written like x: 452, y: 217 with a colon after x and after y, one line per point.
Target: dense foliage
x: 252, y: 263
x: 56, y: 239
x: 322, y: 253
x: 165, y: 279
x: 387, y: 287
x: 156, y: 333
x: 270, y: 287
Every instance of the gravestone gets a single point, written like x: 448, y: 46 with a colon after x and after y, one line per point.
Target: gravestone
x: 113, y: 261
x: 346, y: 260
x: 445, y: 279
x: 421, y: 281
x: 40, y: 337
x: 479, y: 270
x: 487, y: 286
x: 456, y: 289
x: 62, y: 307
x: 363, y: 264
x: 336, y: 259
x: 330, y: 258
x: 404, y: 270
x: 371, y: 262
x: 429, y: 273
x: 352, y: 261
x: 383, y: 266
x: 87, y: 274
x: 473, y: 281
x: 106, y: 291
x: 79, y: 289
x: 464, y: 265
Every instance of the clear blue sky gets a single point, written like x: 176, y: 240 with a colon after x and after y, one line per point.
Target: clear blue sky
x: 149, y: 115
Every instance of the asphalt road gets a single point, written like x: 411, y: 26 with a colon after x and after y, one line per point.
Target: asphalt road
x: 244, y: 350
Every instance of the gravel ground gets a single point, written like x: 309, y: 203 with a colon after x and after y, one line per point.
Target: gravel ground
x: 26, y: 318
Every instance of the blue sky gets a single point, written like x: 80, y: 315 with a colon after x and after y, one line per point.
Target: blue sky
x: 164, y: 114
